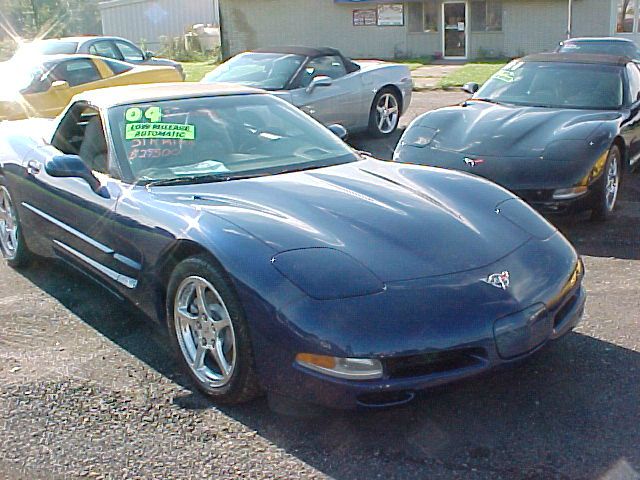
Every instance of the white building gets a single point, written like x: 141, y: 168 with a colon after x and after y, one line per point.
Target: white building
x: 148, y: 20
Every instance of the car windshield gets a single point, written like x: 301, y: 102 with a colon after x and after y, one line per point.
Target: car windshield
x: 220, y: 137
x: 553, y: 85
x: 46, y: 47
x: 269, y: 71
x: 608, y: 48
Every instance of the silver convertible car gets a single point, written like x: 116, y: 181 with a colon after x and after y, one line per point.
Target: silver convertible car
x: 362, y: 96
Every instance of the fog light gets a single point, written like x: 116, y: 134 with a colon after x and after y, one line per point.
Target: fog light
x: 569, y: 193
x: 348, y: 368
x: 521, y: 332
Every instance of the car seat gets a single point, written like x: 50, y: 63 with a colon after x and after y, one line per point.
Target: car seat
x: 93, y: 149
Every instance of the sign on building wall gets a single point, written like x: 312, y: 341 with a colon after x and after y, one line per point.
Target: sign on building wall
x: 365, y: 18
x: 390, y: 15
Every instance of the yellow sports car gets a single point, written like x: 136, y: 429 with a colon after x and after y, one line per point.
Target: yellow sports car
x: 44, y: 87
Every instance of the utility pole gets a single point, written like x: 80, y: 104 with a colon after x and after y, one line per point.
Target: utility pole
x: 36, y: 20
x: 570, y: 18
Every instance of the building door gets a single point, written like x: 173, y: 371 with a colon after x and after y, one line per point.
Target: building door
x: 454, y: 29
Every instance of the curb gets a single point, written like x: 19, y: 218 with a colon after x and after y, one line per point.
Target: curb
x: 434, y: 88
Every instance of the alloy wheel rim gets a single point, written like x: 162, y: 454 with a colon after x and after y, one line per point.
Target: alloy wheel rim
x: 387, y: 113
x: 8, y: 225
x: 613, y: 183
x: 205, y: 332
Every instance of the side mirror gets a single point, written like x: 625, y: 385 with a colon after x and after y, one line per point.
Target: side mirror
x: 59, y: 85
x: 72, y: 166
x: 339, y: 131
x: 319, y: 81
x: 471, y: 87
x: 149, y: 55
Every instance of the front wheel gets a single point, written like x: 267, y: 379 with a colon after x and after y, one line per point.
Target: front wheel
x: 12, y: 244
x: 385, y: 113
x: 608, y: 187
x: 209, y: 332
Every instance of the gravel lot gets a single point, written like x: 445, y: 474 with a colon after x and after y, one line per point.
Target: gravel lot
x: 88, y: 389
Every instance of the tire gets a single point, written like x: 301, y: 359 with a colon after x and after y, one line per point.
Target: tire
x: 12, y: 244
x: 213, y: 348
x: 385, y: 104
x: 608, y: 187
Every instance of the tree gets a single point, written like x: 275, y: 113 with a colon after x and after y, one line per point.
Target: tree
x: 33, y: 18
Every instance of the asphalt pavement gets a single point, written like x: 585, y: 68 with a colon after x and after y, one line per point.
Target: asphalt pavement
x: 88, y: 389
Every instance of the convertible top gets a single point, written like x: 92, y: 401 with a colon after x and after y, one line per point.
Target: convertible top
x: 311, y: 52
x: 304, y: 51
x: 598, y: 39
x: 601, y: 59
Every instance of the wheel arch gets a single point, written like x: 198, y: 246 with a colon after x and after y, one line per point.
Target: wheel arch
x: 624, y: 150
x: 181, y: 250
x: 396, y: 90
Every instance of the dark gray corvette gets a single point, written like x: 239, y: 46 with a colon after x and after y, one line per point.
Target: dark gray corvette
x: 557, y: 129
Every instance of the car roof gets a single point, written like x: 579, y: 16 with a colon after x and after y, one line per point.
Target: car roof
x: 75, y: 56
x: 599, y: 39
x: 154, y: 92
x: 304, y: 51
x: 593, y: 58
x: 78, y: 39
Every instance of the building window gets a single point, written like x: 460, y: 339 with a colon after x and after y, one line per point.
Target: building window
x: 422, y: 16
x: 486, y: 15
x: 431, y: 16
x: 626, y: 14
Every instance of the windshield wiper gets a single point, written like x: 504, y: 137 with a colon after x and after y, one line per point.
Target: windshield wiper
x: 488, y: 100
x: 192, y: 179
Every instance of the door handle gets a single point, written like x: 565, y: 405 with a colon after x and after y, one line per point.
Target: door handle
x: 33, y: 167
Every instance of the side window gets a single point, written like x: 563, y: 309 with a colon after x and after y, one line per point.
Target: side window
x: 103, y: 49
x: 634, y: 82
x: 118, y: 67
x: 81, y: 132
x: 40, y: 80
x: 329, y: 65
x: 130, y: 52
x: 76, y: 72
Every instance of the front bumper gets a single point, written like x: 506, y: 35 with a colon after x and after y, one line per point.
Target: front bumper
x: 543, y: 201
x: 532, y: 179
x: 407, y: 375
x: 457, y: 341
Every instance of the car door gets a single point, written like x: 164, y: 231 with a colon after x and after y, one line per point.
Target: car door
x: 61, y: 81
x: 78, y: 222
x: 631, y: 128
x: 336, y: 103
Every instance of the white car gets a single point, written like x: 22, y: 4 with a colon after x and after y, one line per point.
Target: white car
x: 360, y: 96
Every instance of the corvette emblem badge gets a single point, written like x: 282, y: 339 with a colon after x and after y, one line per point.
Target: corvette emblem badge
x: 472, y: 162
x: 498, y: 280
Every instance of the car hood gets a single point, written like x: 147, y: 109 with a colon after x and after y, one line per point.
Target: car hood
x: 401, y: 221
x: 482, y: 128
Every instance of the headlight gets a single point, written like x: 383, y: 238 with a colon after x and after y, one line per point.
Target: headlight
x: 348, y: 368
x: 525, y: 217
x: 566, y: 150
x: 326, y: 273
x: 418, y: 136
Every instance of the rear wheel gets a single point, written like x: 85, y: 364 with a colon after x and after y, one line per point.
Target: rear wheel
x: 209, y: 332
x: 608, y: 187
x: 12, y: 244
x: 385, y: 113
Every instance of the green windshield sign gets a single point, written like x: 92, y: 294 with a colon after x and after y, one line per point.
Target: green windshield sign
x: 176, y: 131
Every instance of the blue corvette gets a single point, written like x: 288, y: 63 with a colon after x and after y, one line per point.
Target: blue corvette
x: 280, y: 259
